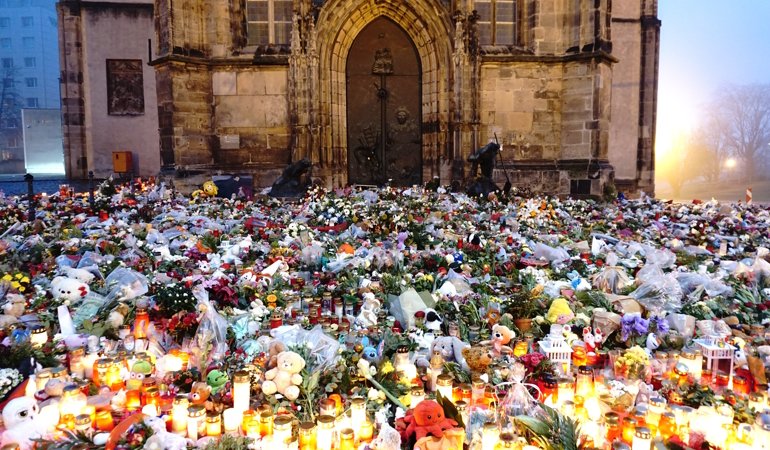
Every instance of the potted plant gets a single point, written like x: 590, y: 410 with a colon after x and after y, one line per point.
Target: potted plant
x: 523, y: 305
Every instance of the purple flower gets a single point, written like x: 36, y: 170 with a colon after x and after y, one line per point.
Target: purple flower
x: 660, y: 325
x: 641, y: 325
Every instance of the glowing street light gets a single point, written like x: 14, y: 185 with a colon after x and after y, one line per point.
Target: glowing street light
x: 730, y: 163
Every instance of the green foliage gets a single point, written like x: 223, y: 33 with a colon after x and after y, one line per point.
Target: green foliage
x: 11, y: 356
x: 594, y: 299
x: 229, y: 442
x: 69, y: 441
x: 450, y: 410
x: 552, y: 431
x: 172, y: 298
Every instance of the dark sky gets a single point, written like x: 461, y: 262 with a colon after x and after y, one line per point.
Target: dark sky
x: 704, y: 44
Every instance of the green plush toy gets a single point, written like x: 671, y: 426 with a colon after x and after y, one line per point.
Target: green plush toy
x: 217, y: 380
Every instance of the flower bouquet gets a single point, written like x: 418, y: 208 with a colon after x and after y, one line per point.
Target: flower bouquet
x: 633, y: 364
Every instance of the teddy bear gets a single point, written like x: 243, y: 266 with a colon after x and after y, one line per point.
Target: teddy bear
x: 12, y: 309
x: 478, y: 359
x: 451, y: 349
x: 69, y: 289
x: 501, y: 337
x: 369, y: 310
x: 199, y: 393
x: 285, y: 378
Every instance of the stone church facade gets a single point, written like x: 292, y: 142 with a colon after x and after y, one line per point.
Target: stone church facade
x: 369, y: 90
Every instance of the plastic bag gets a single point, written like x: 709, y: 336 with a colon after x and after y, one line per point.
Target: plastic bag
x: 611, y: 279
x: 660, y: 257
x: 518, y: 401
x: 125, y: 284
x: 211, y: 337
x: 660, y: 293
x: 543, y: 251
x: 323, y: 348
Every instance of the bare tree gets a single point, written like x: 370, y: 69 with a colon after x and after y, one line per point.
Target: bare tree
x: 742, y: 118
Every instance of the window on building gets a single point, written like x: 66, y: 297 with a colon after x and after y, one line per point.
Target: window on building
x: 5, y: 22
x: 31, y: 82
x: 7, y: 63
x: 5, y: 43
x: 269, y: 21
x: 29, y: 62
x: 497, y: 21
x: 32, y: 102
x: 28, y: 42
x: 27, y: 21
x: 7, y: 82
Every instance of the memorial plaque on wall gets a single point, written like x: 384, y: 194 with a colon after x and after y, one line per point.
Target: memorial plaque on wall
x: 125, y: 87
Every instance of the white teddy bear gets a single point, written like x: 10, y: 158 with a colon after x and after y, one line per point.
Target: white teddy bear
x: 69, y: 289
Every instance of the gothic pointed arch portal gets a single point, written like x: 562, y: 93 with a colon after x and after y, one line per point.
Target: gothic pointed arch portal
x: 428, y: 26
x: 383, y: 107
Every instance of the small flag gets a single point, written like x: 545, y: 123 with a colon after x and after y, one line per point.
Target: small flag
x: 748, y: 196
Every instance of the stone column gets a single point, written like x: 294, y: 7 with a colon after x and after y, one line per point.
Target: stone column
x: 72, y: 93
x: 648, y: 98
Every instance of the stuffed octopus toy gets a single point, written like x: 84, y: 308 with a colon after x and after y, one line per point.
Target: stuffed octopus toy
x: 427, y: 418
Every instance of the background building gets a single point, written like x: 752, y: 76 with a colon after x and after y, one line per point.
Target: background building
x: 29, y: 69
x: 368, y: 90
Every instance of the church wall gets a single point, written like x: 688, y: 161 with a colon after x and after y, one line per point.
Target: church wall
x: 252, y: 104
x: 104, y: 34
x: 624, y: 135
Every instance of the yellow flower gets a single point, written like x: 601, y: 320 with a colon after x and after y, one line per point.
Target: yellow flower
x: 25, y: 280
x: 387, y: 367
x: 7, y: 277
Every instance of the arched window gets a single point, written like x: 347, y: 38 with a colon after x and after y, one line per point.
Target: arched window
x: 269, y: 21
x: 497, y: 21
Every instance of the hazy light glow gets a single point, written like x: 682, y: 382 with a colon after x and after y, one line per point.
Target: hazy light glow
x: 731, y: 163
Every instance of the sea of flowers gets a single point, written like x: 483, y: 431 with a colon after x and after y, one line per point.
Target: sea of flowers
x: 382, y: 318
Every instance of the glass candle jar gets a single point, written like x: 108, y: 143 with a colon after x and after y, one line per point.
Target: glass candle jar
x: 241, y: 390
x: 584, y: 383
x: 113, y: 378
x: 444, y: 384
x: 133, y: 399
x: 250, y: 423
x: 72, y: 401
x: 266, y: 423
x: 83, y: 423
x: 196, y: 424
x: 629, y: 428
x: 307, y: 436
x: 642, y: 439
x: 328, y: 407
x: 367, y: 432
x: 38, y: 336
x: 213, y: 425
x: 76, y: 362
x: 357, y: 414
x: 613, y: 429
x: 478, y: 391
x: 101, y: 366
x: 324, y: 432
x: 41, y: 378
x: 282, y: 434
x: 141, y: 323
x: 667, y: 425
x: 417, y: 394
x: 566, y: 390
x: 104, y: 420
x: 179, y: 414
x: 347, y: 440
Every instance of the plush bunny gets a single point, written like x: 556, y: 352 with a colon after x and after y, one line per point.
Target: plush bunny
x: 451, y: 349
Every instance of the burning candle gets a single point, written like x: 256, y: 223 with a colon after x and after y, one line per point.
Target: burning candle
x: 444, y: 385
x: 232, y: 420
x: 83, y: 423
x: 104, y: 421
x: 179, y: 415
x: 417, y: 394
x: 282, y: 430
x: 41, y: 378
x: 307, y: 438
x: 324, y: 432
x: 241, y: 391
x: 38, y: 336
x: 357, y: 414
x: 113, y: 379
x: 141, y: 322
x: 489, y: 436
x: 72, y: 401
x: 133, y: 399
x: 642, y: 439
x: 584, y: 383
x: 328, y: 407
x: 566, y: 390
x: 213, y: 425
x: 266, y: 423
x: 196, y: 426
x: 347, y: 440
x: 76, y: 357
x: 367, y: 432
x: 151, y: 410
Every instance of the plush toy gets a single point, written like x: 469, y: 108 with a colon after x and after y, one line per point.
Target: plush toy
x: 652, y: 343
x: 589, y: 340
x: 20, y: 418
x: 559, y: 311
x: 217, y: 380
x: 432, y: 320
x: 451, y: 349
x: 501, y: 337
x: 68, y: 289
x: 82, y: 275
x: 141, y: 369
x: 369, y: 310
x: 12, y: 309
x: 199, y: 393
x: 209, y: 189
x: 478, y: 359
x: 427, y: 418
x: 285, y: 378
x: 274, y: 348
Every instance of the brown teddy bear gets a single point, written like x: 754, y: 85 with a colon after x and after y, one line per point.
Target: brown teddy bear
x: 501, y: 337
x: 285, y: 379
x: 477, y: 358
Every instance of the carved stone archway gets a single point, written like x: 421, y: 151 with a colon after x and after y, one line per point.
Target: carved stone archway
x: 429, y: 26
